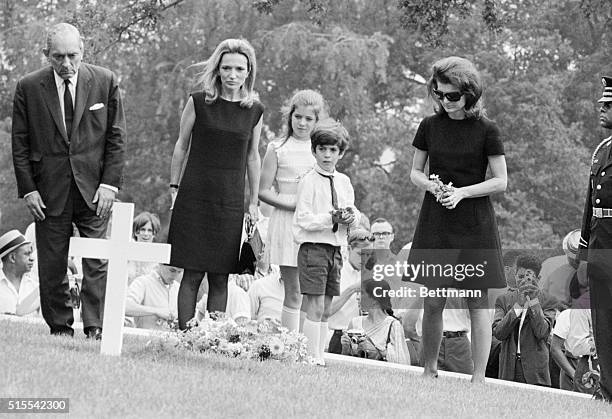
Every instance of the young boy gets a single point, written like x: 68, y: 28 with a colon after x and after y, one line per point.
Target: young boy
x: 523, y: 321
x: 325, y: 208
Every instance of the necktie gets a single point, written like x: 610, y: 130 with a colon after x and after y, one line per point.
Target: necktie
x: 68, y: 111
x: 334, y: 197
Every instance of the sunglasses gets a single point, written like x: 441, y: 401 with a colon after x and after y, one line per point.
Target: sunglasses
x: 450, y: 96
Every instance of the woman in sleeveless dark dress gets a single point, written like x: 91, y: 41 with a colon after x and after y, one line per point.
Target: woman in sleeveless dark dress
x: 460, y: 143
x: 219, y: 136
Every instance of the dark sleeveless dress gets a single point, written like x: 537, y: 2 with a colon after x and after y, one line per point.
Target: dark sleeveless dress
x: 458, y: 152
x: 206, y: 225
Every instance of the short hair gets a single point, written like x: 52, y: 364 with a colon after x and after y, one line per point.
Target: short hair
x: 61, y: 28
x: 358, y: 235
x: 462, y: 74
x: 142, y: 219
x: 383, y: 220
x: 528, y: 261
x: 329, y: 132
x: 209, y: 77
x: 510, y: 256
x: 303, y: 98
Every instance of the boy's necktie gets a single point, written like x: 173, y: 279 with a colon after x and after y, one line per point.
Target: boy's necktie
x: 334, y: 196
x: 68, y: 111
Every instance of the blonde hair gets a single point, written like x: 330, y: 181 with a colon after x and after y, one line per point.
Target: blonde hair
x: 462, y: 74
x: 305, y: 97
x: 209, y: 77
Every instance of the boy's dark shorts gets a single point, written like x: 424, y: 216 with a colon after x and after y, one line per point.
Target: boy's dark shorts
x: 319, y: 266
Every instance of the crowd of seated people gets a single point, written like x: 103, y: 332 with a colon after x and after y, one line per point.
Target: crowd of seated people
x: 542, y: 331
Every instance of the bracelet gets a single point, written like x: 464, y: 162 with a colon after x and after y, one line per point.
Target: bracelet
x: 174, y: 185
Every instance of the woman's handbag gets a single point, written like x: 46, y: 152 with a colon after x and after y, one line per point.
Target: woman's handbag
x: 251, y: 250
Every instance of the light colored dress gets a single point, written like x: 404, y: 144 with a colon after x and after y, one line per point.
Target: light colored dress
x: 294, y: 159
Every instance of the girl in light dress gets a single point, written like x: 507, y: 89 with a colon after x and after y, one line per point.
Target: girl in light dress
x: 382, y: 331
x: 285, y: 163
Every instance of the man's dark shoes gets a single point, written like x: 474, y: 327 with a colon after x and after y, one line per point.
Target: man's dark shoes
x: 94, y: 333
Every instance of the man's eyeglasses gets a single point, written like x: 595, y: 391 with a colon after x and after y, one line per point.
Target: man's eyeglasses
x: 382, y: 234
x: 450, y: 96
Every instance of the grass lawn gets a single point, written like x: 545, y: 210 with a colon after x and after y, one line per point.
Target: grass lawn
x: 145, y: 383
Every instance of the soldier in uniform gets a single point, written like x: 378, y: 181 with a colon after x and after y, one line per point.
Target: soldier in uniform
x: 596, y: 243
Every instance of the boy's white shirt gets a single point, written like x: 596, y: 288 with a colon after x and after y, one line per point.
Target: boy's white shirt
x: 312, y: 220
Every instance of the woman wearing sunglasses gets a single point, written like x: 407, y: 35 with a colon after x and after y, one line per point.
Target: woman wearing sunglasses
x: 457, y: 224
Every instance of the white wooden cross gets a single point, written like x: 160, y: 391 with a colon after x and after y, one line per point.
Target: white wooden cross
x: 117, y: 250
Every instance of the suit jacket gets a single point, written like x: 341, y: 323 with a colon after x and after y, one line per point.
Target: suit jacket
x: 46, y: 157
x: 534, y: 335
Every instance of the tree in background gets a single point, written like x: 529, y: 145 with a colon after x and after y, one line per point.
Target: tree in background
x: 541, y: 62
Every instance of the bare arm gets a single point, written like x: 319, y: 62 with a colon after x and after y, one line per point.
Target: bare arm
x: 268, y: 174
x: 254, y: 170
x: 559, y: 356
x: 497, y: 183
x: 182, y: 144
x: 132, y: 308
x: 341, y: 300
x: 417, y: 173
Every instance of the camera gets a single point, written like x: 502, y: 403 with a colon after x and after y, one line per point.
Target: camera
x: 342, y: 212
x: 355, y: 335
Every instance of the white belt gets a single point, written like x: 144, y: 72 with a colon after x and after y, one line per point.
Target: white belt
x: 602, y: 212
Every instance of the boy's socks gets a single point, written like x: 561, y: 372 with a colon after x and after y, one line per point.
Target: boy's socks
x: 290, y: 318
x: 312, y: 331
x: 323, y: 338
x: 302, y: 318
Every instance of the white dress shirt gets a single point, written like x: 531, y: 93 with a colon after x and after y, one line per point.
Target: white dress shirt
x: 312, y: 221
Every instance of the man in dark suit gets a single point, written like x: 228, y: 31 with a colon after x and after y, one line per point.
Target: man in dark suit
x: 596, y: 244
x: 523, y: 321
x: 68, y: 151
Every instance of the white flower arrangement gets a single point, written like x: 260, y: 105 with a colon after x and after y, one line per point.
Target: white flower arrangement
x: 261, y: 341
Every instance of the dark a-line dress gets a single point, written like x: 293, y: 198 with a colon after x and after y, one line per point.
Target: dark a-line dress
x: 206, y: 225
x: 467, y: 235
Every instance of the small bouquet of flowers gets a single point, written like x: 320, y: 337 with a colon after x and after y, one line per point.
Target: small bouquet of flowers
x: 441, y: 188
x: 260, y: 341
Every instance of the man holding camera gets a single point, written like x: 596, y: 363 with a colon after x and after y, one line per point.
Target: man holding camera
x: 523, y: 321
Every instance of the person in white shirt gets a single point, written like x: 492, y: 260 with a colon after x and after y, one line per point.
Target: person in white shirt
x: 19, y: 292
x: 266, y: 296
x: 455, y: 350
x: 564, y: 359
x: 346, y: 306
x: 152, y: 297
